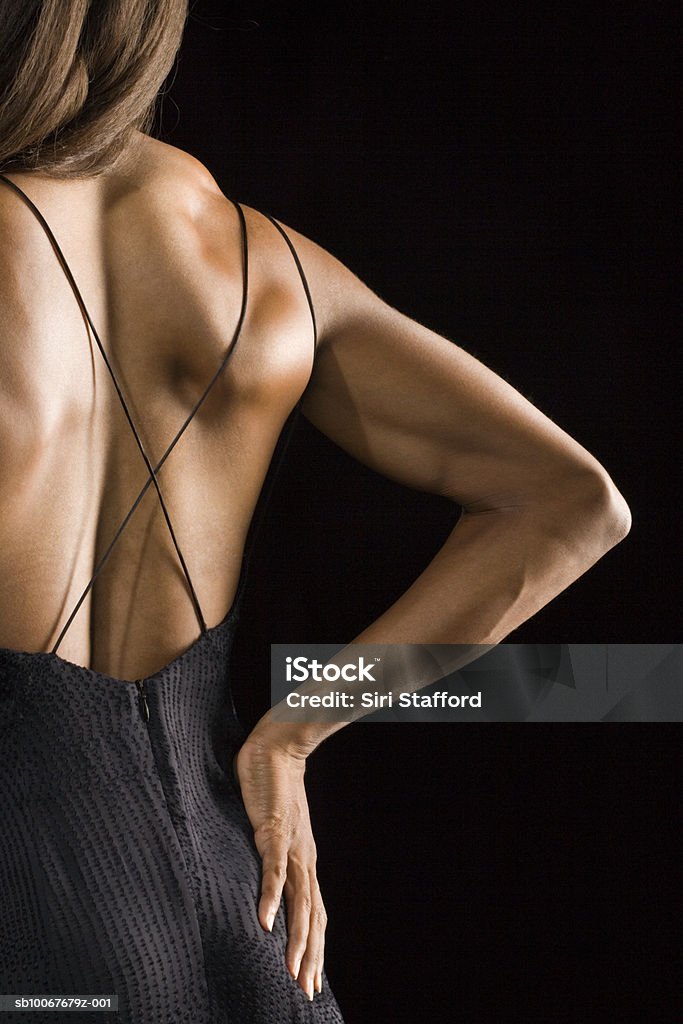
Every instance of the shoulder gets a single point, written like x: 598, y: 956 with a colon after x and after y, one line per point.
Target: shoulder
x: 170, y: 180
x: 340, y: 298
x: 170, y: 196
x: 174, y: 196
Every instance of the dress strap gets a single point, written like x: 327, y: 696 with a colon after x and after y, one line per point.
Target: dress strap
x: 283, y: 441
x: 152, y: 479
x: 302, y: 274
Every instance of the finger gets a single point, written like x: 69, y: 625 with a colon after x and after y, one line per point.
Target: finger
x: 321, y: 962
x: 318, y: 973
x: 298, y: 896
x: 310, y: 973
x: 273, y: 878
x: 311, y: 964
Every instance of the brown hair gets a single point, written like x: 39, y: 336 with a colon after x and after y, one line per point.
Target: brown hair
x: 78, y: 77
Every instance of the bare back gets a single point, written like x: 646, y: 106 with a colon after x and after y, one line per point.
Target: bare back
x: 158, y: 255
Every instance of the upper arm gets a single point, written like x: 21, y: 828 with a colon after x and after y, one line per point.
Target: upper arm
x: 417, y: 407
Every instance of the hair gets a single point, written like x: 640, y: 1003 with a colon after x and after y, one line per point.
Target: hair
x: 79, y: 77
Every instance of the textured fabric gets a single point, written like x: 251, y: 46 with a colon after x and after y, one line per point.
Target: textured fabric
x: 128, y: 864
x: 127, y: 860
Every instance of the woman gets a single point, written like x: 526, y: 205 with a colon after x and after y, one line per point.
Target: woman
x: 156, y: 335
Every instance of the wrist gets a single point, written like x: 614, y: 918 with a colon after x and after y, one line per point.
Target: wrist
x: 293, y: 739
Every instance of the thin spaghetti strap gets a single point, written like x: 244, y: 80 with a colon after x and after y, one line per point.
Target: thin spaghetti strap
x: 181, y: 431
x: 86, y: 314
x: 301, y: 272
x: 259, y: 515
x: 282, y: 444
x: 152, y: 471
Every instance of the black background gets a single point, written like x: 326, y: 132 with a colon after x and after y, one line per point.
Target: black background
x: 504, y: 174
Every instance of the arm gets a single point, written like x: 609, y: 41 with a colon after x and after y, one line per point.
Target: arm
x: 537, y: 508
x: 537, y: 511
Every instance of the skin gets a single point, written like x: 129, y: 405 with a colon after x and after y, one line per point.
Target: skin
x: 154, y: 246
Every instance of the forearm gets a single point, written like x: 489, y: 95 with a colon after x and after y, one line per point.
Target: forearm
x: 496, y: 569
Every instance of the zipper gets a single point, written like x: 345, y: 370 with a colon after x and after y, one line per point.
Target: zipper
x: 142, y: 700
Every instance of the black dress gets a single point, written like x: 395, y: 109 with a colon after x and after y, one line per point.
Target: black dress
x: 127, y: 860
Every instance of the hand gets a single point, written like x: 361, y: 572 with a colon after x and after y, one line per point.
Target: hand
x: 271, y: 781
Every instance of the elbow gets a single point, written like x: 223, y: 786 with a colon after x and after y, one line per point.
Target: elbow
x: 601, y: 508
x: 619, y: 519
x: 610, y: 509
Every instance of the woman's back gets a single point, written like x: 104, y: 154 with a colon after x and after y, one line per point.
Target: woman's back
x: 128, y: 861
x: 158, y: 255
x: 155, y: 337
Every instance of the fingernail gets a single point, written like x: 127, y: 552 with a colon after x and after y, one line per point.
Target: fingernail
x: 270, y: 917
x: 295, y: 969
x: 310, y: 993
